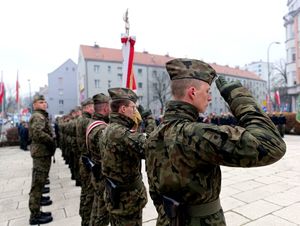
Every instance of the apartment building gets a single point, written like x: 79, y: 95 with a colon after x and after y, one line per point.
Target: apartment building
x: 100, y: 68
x: 62, y: 89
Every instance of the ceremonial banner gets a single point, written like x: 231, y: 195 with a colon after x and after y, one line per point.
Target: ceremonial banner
x: 128, y: 80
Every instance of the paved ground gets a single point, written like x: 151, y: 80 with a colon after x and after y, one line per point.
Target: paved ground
x: 258, y: 196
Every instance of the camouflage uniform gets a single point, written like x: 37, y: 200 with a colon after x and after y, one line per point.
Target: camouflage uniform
x: 183, y: 156
x: 87, y: 192
x: 42, y: 149
x: 99, y: 214
x: 121, y: 164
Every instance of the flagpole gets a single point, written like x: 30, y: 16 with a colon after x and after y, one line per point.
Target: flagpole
x: 17, y: 97
x: 2, y: 107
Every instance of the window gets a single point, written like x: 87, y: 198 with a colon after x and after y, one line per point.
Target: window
x: 120, y: 76
x: 140, y: 85
x: 109, y: 68
x: 109, y: 84
x: 97, y: 83
x: 154, y: 72
x: 61, y: 112
x: 73, y: 68
x: 61, y: 102
x: 96, y: 68
x: 140, y: 71
x: 60, y: 81
x: 119, y: 68
x: 67, y: 68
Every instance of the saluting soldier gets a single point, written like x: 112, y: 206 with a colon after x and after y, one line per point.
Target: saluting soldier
x: 121, y: 155
x: 183, y: 157
x: 42, y: 148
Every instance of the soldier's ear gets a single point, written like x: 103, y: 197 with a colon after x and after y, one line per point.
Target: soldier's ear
x: 191, y: 92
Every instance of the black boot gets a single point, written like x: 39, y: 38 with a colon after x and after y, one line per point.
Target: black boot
x: 40, y: 219
x: 46, y: 203
x: 47, y: 181
x: 46, y: 190
x: 78, y: 183
x: 45, y: 214
x: 45, y: 198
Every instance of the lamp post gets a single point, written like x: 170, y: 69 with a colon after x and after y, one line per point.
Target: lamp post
x: 30, y: 104
x: 269, y: 75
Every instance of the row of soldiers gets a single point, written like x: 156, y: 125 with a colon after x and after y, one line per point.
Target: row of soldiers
x: 79, y: 134
x: 182, y: 156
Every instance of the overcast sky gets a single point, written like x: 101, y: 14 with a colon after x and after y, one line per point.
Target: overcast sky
x: 37, y: 36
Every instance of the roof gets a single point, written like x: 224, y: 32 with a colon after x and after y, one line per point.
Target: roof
x: 144, y: 58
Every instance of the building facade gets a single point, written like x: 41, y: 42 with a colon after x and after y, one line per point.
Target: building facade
x: 62, y: 89
x: 292, y: 26
x: 101, y: 68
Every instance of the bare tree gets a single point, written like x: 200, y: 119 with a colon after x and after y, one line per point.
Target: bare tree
x: 280, y: 83
x: 280, y: 67
x: 161, y: 89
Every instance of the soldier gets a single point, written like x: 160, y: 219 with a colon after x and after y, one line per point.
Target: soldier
x: 99, y: 215
x: 86, y: 197
x: 183, y: 157
x: 281, y: 124
x: 42, y: 149
x: 121, y: 153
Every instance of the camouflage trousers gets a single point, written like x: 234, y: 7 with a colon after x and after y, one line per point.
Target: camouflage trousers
x: 131, y: 204
x: 99, y: 215
x: 86, y: 195
x: 162, y: 219
x: 216, y: 219
x: 129, y: 220
x: 40, y: 172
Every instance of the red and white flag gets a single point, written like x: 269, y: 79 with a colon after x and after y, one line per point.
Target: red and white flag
x: 17, y: 88
x: 128, y: 80
x: 277, y: 98
x: 2, y: 89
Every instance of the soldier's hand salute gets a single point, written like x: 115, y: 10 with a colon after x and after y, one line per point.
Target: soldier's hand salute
x: 183, y: 156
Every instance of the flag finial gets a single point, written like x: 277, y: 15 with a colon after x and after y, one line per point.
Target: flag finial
x: 126, y: 20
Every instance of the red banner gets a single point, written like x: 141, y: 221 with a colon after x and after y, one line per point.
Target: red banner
x: 128, y: 55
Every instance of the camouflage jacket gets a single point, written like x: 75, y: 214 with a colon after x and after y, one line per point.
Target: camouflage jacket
x: 183, y: 156
x: 82, y: 123
x: 40, y: 133
x: 121, y: 154
x: 94, y: 138
x: 122, y: 150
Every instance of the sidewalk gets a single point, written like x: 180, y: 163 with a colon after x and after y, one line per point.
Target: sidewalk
x: 257, y: 196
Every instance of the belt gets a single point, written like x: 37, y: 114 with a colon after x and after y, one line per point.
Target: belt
x: 204, y: 209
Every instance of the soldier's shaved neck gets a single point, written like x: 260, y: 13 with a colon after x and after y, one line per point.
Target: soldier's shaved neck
x: 179, y: 87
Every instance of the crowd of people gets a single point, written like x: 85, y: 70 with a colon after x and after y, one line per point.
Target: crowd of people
x: 105, y: 139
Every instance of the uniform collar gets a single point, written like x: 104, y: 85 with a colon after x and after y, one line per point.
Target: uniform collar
x: 180, y: 110
x: 121, y: 119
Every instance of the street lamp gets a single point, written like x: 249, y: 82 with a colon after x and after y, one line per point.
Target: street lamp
x: 269, y: 74
x: 30, y: 104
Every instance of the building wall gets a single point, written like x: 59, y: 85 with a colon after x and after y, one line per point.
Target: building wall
x: 292, y: 23
x: 62, y: 89
x: 152, y: 83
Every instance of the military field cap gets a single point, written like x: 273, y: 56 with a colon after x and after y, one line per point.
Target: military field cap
x: 190, y: 69
x: 122, y: 93
x: 38, y: 97
x: 87, y: 102
x: 78, y: 108
x: 100, y: 98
